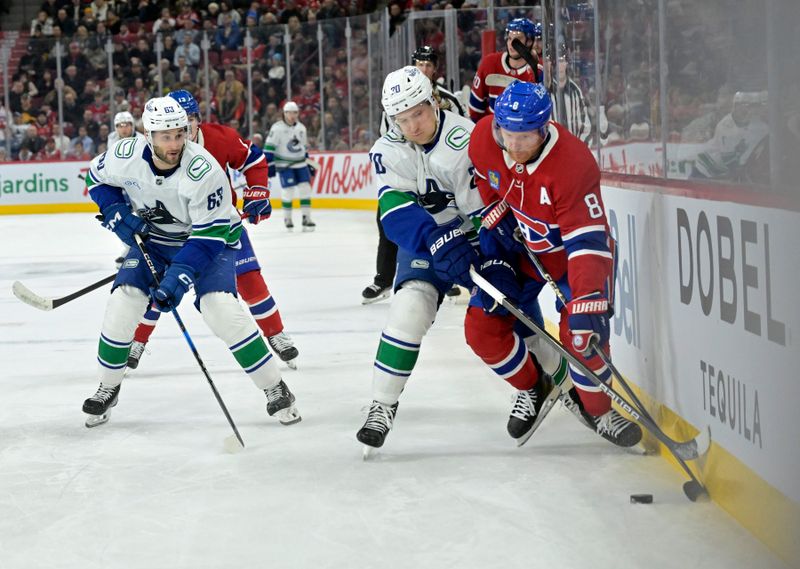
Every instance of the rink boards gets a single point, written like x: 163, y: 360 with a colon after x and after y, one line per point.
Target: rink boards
x: 706, y: 318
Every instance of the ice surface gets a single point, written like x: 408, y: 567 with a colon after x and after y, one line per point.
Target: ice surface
x: 154, y: 487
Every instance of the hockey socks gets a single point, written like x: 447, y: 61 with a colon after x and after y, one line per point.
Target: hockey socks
x: 255, y: 293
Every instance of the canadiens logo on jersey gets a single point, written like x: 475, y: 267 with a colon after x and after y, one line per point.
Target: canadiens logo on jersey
x: 494, y: 179
x: 539, y: 236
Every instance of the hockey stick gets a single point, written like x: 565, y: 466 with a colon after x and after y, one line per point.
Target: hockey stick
x: 692, y: 488
x: 547, y: 406
x: 174, y: 311
x: 689, y: 450
x: 27, y: 296
x: 525, y: 53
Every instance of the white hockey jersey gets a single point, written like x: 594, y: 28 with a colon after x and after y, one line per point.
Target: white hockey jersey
x: 286, y: 146
x: 193, y: 202
x: 114, y: 137
x: 422, y: 187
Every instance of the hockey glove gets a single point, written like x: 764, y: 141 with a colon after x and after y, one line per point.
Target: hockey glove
x: 452, y: 254
x: 504, y: 279
x: 588, y: 321
x: 272, y: 171
x: 176, y: 281
x: 120, y: 219
x: 312, y: 170
x: 497, y: 231
x: 256, y: 204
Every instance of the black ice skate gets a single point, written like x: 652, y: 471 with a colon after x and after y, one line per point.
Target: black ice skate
x: 135, y: 354
x: 283, y: 346
x: 527, y: 405
x: 454, y: 291
x: 308, y: 225
x: 289, y: 224
x: 572, y: 401
x: 617, y: 429
x: 375, y: 293
x: 379, y: 422
x: 99, y: 405
x: 280, y: 402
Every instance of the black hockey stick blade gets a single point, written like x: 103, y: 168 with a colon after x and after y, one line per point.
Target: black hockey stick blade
x: 29, y: 297
x: 525, y: 53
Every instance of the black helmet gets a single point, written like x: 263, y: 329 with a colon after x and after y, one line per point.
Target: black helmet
x: 425, y: 53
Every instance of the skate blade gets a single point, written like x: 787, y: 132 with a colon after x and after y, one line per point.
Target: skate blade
x: 97, y: 420
x: 292, y: 364
x: 376, y: 299
x: 547, y: 406
x: 367, y: 452
x: 308, y: 229
x: 288, y: 416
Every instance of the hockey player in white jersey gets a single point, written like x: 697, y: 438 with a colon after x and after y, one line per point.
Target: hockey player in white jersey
x: 123, y: 128
x: 174, y: 193
x: 286, y: 149
x: 428, y: 204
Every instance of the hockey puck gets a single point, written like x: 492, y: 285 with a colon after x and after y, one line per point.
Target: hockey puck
x: 641, y: 498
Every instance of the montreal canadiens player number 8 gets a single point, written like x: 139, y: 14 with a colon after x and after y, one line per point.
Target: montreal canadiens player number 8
x: 179, y: 198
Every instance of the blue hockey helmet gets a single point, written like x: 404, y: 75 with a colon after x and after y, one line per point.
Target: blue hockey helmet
x: 186, y: 100
x: 537, y: 30
x: 523, y: 107
x: 523, y: 25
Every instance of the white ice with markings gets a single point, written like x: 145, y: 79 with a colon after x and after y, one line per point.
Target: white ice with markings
x: 154, y: 487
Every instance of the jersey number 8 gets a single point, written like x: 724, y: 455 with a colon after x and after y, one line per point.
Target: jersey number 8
x: 595, y: 209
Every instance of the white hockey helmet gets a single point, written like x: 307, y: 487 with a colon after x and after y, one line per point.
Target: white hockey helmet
x: 122, y: 118
x: 163, y: 113
x: 405, y: 88
x: 291, y: 107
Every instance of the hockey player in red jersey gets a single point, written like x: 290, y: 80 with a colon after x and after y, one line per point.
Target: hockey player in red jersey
x: 497, y: 70
x: 538, y: 178
x: 232, y: 152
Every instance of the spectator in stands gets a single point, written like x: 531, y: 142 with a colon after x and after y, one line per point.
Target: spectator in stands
x: 168, y: 49
x: 79, y: 152
x: 144, y: 53
x: 99, y: 108
x: 3, y: 154
x: 50, y: 7
x: 186, y: 13
x: 147, y: 11
x: 290, y: 10
x: 225, y: 8
x: 49, y: 152
x: 43, y: 127
x: 100, y: 10
x: 102, y: 137
x: 73, y: 79
x: 228, y: 36
x: 76, y: 57
x: 92, y: 126
x: 71, y: 107
x: 125, y: 35
x: 185, y: 69
x: 230, y: 107
x: 166, y: 23
x: 212, y: 13
x: 230, y: 84
x: 83, y: 139
x: 308, y: 101
x: 168, y: 77
x: 25, y: 154
x: 32, y: 140
x: 66, y: 23
x: 189, y: 51
x: 188, y: 28
x: 62, y: 143
x: 329, y: 9
x: 42, y: 24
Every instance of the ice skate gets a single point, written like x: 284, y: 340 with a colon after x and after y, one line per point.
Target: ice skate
x: 135, y: 354
x: 571, y: 400
x: 308, y: 225
x: 527, y: 405
x: 615, y: 428
x: 280, y: 403
x: 289, y: 224
x: 283, y: 346
x: 98, y: 406
x: 379, y: 422
x: 375, y: 293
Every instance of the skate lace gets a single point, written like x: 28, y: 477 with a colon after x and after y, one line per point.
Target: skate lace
x: 569, y: 403
x: 280, y: 341
x: 275, y: 392
x: 103, y: 393
x: 380, y: 417
x: 612, y: 423
x: 137, y: 349
x: 523, y: 405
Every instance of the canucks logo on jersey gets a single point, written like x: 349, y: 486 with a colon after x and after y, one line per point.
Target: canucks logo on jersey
x: 158, y: 214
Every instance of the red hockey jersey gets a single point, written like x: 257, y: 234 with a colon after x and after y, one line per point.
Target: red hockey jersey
x: 494, y: 75
x: 231, y: 151
x: 556, y: 202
